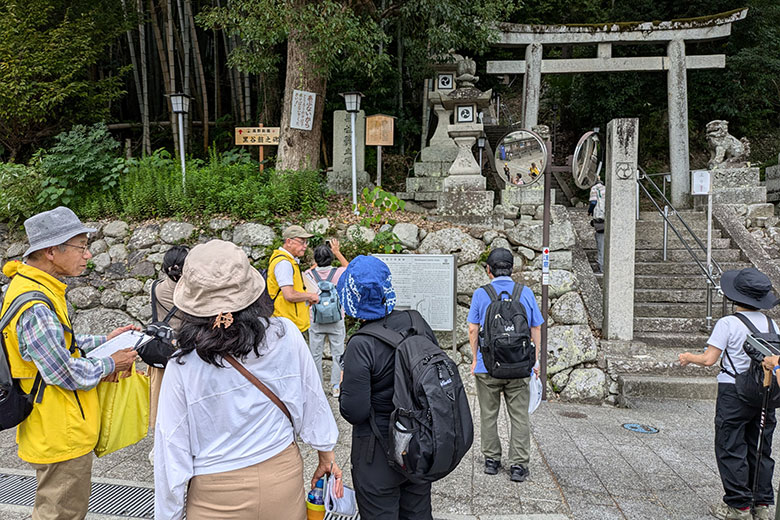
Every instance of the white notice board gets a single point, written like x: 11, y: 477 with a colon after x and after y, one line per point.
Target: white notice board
x: 302, y: 109
x: 425, y: 283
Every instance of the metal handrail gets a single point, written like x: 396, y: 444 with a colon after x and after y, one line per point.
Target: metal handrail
x: 644, y: 175
x: 712, y: 285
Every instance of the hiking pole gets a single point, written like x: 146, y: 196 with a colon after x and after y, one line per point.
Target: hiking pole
x: 762, y: 425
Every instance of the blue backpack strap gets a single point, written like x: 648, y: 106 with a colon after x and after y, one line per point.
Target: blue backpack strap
x: 316, y: 275
x: 331, y: 273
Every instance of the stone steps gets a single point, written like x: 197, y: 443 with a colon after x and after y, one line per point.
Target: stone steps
x: 662, y: 386
x: 674, y: 243
x: 656, y: 233
x: 680, y: 310
x: 670, y: 282
x: 678, y: 341
x: 695, y: 296
x: 666, y: 323
x: 680, y: 268
x: 638, y: 358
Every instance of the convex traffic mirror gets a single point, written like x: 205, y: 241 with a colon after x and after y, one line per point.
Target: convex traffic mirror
x: 521, y: 158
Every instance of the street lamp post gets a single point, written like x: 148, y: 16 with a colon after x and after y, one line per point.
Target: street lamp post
x: 181, y: 104
x: 352, y: 101
x: 481, y: 146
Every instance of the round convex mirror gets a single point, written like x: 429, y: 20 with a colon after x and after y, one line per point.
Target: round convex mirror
x: 587, y: 162
x: 521, y: 158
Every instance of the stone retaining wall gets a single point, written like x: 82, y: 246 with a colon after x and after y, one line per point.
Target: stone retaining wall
x: 127, y: 257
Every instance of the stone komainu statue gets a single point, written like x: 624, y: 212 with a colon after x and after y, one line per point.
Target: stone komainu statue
x: 726, y: 150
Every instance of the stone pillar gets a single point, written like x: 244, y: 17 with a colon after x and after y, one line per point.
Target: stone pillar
x: 679, y: 160
x: 532, y: 84
x: 339, y: 178
x: 619, y: 243
x: 440, y: 136
x: 464, y: 174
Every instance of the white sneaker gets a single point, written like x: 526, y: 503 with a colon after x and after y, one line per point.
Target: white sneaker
x: 151, y: 456
x: 726, y: 512
x: 335, y: 391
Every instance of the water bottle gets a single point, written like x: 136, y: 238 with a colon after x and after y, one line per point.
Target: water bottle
x: 315, y: 502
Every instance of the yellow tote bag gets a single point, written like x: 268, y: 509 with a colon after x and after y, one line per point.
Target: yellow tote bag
x: 124, y: 412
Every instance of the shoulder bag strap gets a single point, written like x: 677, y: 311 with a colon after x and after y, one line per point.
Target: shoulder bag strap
x: 260, y: 386
x: 748, y: 323
x: 154, y: 300
x: 382, y: 333
x: 770, y: 325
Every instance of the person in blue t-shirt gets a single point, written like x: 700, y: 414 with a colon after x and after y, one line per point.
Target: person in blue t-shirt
x: 489, y: 389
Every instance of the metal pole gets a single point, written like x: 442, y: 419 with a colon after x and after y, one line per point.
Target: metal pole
x: 709, y: 306
x: 379, y: 165
x: 480, y: 161
x: 181, y: 150
x: 709, y: 229
x: 666, y: 229
x: 354, y: 168
x: 545, y: 244
x: 637, y: 198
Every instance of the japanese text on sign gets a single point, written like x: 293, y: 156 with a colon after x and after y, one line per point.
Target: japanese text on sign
x: 302, y: 110
x: 546, y: 260
x: 425, y: 283
x: 379, y: 130
x: 262, y: 135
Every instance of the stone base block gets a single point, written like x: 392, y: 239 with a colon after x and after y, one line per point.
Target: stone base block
x: 529, y: 196
x: 747, y: 195
x: 464, y: 182
x: 440, y: 152
x: 341, y: 181
x: 467, y: 207
x: 735, y: 178
x: 431, y: 168
x: 773, y: 183
x: 420, y: 196
x: 415, y: 184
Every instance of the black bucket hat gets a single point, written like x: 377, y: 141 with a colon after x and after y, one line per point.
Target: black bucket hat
x: 748, y: 286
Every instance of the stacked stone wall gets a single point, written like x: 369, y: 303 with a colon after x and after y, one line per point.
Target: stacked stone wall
x: 127, y: 258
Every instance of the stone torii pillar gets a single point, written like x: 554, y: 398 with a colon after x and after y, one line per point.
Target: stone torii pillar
x: 532, y: 84
x: 679, y: 157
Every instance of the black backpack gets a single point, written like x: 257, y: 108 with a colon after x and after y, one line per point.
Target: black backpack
x: 157, y: 351
x: 431, y: 428
x: 750, y: 383
x: 505, y: 338
x: 15, y: 404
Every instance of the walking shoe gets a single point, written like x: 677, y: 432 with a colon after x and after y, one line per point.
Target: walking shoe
x: 726, y: 512
x: 761, y: 512
x: 151, y: 456
x: 491, y: 466
x: 518, y: 473
x: 335, y: 391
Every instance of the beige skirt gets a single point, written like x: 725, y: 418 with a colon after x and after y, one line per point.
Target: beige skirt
x: 270, y: 490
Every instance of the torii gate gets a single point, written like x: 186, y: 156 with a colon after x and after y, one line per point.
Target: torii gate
x: 674, y: 33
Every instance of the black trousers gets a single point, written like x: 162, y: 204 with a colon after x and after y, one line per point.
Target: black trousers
x: 736, y: 440
x: 383, y: 493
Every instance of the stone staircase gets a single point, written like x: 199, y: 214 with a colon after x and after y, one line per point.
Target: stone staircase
x: 669, y: 308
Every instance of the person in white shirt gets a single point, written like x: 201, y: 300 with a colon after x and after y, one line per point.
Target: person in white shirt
x: 737, y: 420
x: 596, y: 208
x: 223, y: 449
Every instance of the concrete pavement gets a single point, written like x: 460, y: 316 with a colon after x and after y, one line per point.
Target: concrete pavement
x: 584, y: 465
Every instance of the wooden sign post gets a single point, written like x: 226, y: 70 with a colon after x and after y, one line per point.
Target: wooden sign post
x: 379, y: 133
x: 258, y: 136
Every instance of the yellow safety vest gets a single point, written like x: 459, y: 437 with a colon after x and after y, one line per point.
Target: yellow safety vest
x: 297, y: 312
x: 65, y: 424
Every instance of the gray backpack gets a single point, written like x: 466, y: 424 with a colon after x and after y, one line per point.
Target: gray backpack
x: 328, y: 310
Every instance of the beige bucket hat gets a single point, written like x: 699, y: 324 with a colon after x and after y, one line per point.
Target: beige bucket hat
x: 217, y: 278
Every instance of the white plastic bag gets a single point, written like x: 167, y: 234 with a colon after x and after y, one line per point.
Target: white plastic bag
x: 535, y: 388
x: 345, y: 506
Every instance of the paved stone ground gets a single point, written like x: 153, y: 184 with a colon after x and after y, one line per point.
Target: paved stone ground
x: 584, y: 465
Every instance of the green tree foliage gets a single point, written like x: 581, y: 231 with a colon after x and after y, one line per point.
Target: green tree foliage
x: 47, y: 49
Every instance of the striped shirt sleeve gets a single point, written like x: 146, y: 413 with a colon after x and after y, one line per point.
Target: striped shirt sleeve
x: 42, y: 341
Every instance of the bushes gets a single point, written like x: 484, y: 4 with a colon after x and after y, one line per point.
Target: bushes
x: 97, y: 185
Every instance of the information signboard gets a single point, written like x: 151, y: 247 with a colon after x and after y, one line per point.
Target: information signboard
x: 426, y: 283
x: 379, y: 130
x: 257, y: 135
x: 302, y: 109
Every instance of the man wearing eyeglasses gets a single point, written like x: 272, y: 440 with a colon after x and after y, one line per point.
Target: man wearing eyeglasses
x: 47, y: 360
x: 285, y: 281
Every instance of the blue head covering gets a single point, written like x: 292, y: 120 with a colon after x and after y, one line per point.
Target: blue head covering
x: 366, y: 289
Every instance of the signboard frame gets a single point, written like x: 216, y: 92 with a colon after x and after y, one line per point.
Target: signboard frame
x: 393, y: 260
x: 260, y: 133
x: 374, y: 130
x: 302, y: 109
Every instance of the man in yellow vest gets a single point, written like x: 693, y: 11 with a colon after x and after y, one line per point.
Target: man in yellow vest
x: 58, y: 436
x: 285, y: 282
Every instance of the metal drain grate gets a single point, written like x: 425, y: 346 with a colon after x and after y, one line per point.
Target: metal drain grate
x: 106, y: 499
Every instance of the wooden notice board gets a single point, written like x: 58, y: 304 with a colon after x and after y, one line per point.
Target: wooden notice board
x: 258, y: 135
x: 379, y: 130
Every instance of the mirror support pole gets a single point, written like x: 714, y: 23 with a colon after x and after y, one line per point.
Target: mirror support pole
x: 546, y: 173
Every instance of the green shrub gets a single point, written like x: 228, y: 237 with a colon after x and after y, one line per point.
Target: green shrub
x: 19, y: 189
x: 82, y: 162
